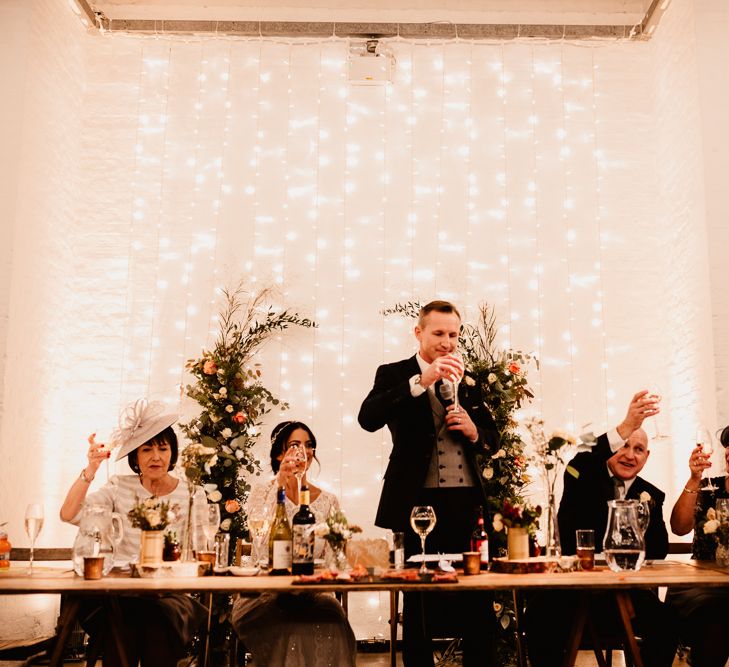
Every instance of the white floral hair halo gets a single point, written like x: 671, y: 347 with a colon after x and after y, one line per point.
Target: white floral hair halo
x: 140, y: 421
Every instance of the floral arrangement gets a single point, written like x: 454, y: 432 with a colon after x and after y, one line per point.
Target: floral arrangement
x: 336, y: 530
x: 714, y: 526
x: 228, y: 386
x: 517, y: 516
x: 152, y: 513
x: 550, y: 454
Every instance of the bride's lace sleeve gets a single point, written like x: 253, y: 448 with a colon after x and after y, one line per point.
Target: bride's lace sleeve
x: 261, y: 499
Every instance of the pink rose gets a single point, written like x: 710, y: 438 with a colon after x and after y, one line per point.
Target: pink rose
x: 209, y: 367
x: 239, y: 418
x: 514, y: 368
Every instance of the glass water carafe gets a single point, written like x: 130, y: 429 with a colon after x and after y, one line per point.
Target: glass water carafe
x: 623, y: 545
x: 99, y: 532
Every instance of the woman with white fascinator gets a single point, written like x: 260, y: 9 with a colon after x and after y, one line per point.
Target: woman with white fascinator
x: 156, y: 629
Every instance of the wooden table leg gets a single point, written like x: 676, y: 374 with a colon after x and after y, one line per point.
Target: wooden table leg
x: 394, y: 601
x: 626, y: 611
x: 573, y: 643
x: 66, y: 620
x: 521, y: 653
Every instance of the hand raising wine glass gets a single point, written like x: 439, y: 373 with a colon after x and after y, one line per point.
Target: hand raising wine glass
x: 211, y: 523
x: 33, y: 525
x: 422, y: 521
x: 706, y: 442
x: 298, y: 459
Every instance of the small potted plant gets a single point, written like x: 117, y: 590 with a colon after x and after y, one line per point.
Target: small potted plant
x: 152, y: 516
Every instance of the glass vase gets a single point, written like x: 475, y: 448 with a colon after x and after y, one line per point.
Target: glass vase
x: 187, y: 554
x: 336, y: 557
x: 722, y: 555
x: 552, y: 547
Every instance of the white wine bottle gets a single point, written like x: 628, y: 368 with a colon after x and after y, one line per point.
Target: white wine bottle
x: 303, y: 537
x: 279, y: 541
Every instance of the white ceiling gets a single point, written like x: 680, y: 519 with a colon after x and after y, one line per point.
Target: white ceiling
x: 534, y: 12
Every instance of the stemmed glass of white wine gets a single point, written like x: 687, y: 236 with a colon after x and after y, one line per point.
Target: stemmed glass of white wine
x: 706, y: 442
x: 212, y: 523
x: 422, y: 521
x: 656, y: 393
x: 33, y: 525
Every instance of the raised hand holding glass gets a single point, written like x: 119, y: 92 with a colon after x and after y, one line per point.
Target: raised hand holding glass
x: 706, y: 442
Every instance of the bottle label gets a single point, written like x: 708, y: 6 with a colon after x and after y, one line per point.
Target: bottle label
x: 484, y: 549
x: 303, y: 543
x: 281, y: 555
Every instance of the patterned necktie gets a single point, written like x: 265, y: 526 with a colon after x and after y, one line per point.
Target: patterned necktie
x: 619, y: 485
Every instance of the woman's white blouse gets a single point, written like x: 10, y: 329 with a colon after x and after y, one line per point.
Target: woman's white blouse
x: 122, y: 492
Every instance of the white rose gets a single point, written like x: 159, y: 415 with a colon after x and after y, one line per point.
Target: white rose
x: 645, y: 497
x: 321, y: 529
x: 469, y: 381
x: 492, y: 378
x: 711, y: 526
x: 239, y: 454
x: 225, y: 524
x: 153, y: 518
x: 226, y: 433
x: 223, y: 391
x: 215, y: 496
x: 209, y: 488
x: 499, y: 455
x: 488, y: 473
x: 498, y: 523
x: 229, y: 408
x: 711, y: 513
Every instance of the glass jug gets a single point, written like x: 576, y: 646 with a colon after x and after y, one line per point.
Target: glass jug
x: 623, y: 545
x: 99, y: 532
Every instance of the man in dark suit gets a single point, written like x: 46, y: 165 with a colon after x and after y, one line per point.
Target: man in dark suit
x: 609, y: 471
x: 433, y: 462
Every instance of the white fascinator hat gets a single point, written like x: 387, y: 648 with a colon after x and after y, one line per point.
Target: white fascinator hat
x: 140, y: 421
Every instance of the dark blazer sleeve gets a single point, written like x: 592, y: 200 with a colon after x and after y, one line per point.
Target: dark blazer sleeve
x: 568, y: 515
x: 385, y: 400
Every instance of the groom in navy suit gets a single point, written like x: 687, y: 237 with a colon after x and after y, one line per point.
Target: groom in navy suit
x: 433, y: 462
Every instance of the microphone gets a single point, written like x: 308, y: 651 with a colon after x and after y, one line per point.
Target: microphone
x: 446, y: 392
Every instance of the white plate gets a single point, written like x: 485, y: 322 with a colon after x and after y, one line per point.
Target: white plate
x: 243, y: 571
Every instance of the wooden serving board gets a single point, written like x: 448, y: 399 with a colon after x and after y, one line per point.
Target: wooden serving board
x: 524, y: 566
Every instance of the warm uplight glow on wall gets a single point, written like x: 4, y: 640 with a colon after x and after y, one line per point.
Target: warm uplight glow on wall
x: 520, y: 174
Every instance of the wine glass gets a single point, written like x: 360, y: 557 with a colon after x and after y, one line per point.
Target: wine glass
x: 656, y: 393
x: 33, y: 525
x: 258, y: 525
x: 422, y: 521
x: 706, y: 442
x: 211, y: 523
x: 299, y: 459
x: 455, y: 381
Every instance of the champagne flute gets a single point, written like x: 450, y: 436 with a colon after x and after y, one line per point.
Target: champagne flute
x: 706, y: 442
x: 655, y: 392
x: 455, y: 381
x: 299, y: 458
x: 33, y: 525
x: 258, y: 525
x: 422, y: 521
x: 211, y: 523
